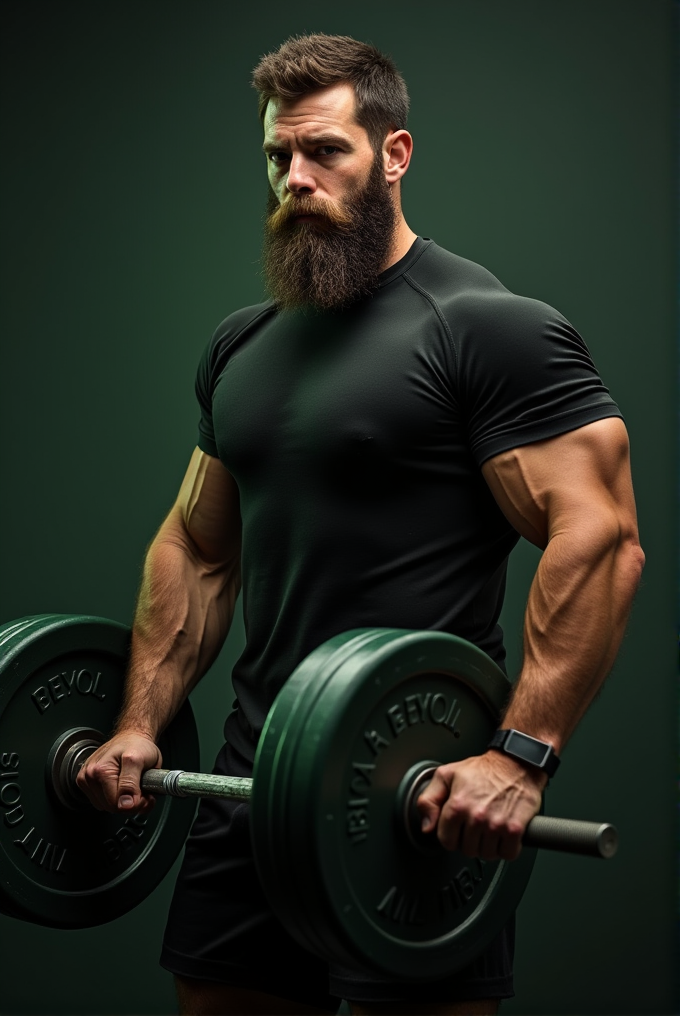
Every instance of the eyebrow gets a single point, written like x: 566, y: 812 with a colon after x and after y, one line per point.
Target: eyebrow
x: 310, y: 141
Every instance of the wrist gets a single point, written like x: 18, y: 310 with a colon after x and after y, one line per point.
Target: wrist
x: 527, y: 750
x: 126, y: 728
x: 516, y: 770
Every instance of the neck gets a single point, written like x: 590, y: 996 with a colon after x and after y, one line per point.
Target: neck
x: 403, y: 240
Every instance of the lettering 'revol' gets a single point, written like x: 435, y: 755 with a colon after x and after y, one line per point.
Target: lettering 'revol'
x: 62, y: 686
x: 423, y: 707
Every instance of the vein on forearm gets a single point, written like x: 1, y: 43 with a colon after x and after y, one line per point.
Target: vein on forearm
x: 183, y: 615
x: 576, y: 614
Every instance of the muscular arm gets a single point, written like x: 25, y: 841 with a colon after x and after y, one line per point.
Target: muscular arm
x: 186, y: 603
x: 571, y: 496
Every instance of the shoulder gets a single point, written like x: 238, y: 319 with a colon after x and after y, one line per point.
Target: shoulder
x: 231, y: 331
x: 446, y: 276
x: 241, y: 320
x: 470, y: 297
x: 485, y: 318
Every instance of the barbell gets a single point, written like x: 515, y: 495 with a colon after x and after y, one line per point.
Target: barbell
x: 350, y: 742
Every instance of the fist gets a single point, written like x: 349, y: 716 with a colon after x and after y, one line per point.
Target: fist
x: 110, y: 777
x: 482, y: 805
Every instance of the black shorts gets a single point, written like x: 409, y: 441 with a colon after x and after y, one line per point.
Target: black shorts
x: 220, y: 927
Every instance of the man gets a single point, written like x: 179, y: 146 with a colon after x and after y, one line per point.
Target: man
x: 372, y: 442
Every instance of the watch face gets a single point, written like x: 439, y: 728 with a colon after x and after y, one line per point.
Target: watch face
x: 527, y: 748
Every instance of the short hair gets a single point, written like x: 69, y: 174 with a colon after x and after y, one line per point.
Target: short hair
x: 305, y: 63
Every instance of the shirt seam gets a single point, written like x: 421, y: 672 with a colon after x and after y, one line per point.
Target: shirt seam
x: 445, y: 325
x: 232, y: 340
x: 416, y: 257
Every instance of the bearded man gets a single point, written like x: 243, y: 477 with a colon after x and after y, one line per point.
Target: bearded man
x: 373, y: 441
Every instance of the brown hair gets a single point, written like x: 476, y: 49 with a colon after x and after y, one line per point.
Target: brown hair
x: 307, y: 62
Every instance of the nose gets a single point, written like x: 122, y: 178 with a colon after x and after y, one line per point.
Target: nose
x: 300, y: 179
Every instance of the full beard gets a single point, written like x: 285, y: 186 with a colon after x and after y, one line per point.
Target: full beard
x: 333, y: 260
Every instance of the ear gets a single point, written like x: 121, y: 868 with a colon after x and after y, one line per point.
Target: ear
x: 397, y: 149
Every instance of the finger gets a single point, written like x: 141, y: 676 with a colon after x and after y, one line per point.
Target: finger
x: 129, y: 795
x: 90, y: 782
x: 510, y: 842
x: 104, y: 774
x: 450, y: 827
x: 430, y: 801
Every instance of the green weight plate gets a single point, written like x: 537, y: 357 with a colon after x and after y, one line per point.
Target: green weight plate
x: 272, y: 769
x: 349, y: 880
x: 75, y: 867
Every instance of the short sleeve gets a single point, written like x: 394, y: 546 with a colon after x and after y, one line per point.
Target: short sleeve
x: 524, y: 374
x: 226, y: 338
x: 204, y: 388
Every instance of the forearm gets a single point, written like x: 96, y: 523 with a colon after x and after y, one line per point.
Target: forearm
x: 184, y: 612
x: 576, y: 615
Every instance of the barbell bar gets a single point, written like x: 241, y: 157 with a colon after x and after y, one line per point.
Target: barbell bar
x: 350, y: 742
x: 592, y: 839
x: 575, y: 836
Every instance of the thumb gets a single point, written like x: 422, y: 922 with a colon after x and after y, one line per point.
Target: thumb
x: 132, y: 764
x: 129, y: 790
x: 431, y: 799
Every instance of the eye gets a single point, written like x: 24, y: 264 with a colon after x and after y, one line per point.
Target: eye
x: 278, y: 157
x: 327, y: 150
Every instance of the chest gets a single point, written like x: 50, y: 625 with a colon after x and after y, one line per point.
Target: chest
x: 350, y: 392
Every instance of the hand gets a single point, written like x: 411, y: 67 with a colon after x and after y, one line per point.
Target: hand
x: 110, y: 777
x: 482, y: 805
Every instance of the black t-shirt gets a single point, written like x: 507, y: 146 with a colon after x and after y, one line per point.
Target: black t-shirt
x: 356, y: 440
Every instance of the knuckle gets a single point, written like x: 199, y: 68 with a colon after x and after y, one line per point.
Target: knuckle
x: 97, y: 771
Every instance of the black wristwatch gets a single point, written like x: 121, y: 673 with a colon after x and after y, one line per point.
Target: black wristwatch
x: 527, y: 749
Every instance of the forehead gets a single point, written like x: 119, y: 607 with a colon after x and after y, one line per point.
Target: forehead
x: 325, y: 109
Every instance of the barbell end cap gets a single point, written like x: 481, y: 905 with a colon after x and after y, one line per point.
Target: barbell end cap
x: 607, y: 840
x: 591, y: 839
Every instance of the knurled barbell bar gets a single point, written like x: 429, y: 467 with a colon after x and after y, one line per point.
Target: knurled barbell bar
x: 593, y: 839
x: 347, y: 748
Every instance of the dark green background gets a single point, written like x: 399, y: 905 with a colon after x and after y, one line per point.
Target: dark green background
x: 133, y: 194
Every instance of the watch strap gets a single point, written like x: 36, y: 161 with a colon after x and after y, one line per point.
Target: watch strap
x: 527, y: 749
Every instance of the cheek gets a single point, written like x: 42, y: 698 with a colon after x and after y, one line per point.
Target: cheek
x: 275, y: 179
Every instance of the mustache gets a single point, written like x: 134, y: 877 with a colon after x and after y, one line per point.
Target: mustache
x: 283, y: 218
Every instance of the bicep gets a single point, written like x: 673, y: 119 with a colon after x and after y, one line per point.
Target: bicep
x: 207, y: 507
x: 579, y: 480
